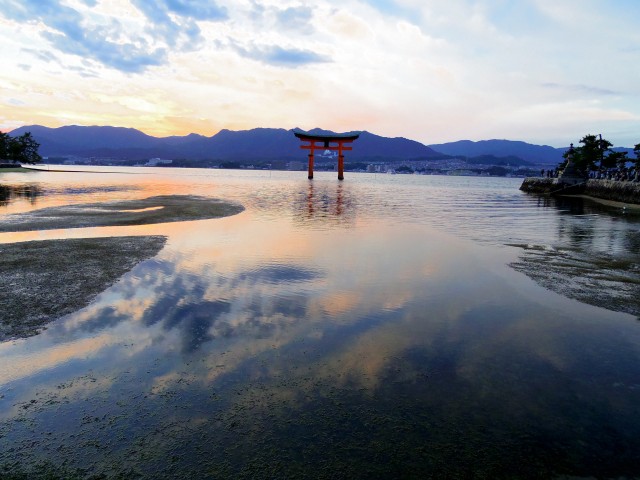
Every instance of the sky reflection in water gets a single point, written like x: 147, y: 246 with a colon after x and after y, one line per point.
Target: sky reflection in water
x: 349, y: 326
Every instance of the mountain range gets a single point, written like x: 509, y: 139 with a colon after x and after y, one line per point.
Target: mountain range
x: 267, y: 143
x: 536, y: 154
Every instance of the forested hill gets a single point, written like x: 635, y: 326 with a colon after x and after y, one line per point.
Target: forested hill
x: 259, y: 143
x: 537, y: 154
x: 267, y: 143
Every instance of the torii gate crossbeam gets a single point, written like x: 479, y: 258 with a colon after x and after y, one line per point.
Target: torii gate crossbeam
x: 337, y: 142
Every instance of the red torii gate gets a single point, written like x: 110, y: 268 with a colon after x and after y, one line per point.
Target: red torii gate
x: 333, y: 142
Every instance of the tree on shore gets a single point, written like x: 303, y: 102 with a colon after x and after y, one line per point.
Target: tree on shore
x: 594, y: 149
x: 22, y: 149
x: 616, y: 159
x: 4, y: 145
x: 591, y: 155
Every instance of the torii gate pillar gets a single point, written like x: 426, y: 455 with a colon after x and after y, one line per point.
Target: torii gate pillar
x: 335, y: 142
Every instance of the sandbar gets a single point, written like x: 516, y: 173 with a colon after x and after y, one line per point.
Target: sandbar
x: 158, y: 209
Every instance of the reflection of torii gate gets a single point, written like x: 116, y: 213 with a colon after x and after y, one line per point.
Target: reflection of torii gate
x: 333, y: 142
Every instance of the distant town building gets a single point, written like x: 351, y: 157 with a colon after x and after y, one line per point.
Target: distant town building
x: 154, y: 162
x: 295, y: 166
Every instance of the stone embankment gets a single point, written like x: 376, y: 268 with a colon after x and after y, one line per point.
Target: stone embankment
x: 613, y: 190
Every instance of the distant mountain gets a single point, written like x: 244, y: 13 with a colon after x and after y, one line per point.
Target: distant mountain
x: 630, y: 153
x: 370, y: 145
x: 262, y: 144
x: 536, y: 154
x: 80, y: 138
x: 181, y: 140
x: 257, y: 144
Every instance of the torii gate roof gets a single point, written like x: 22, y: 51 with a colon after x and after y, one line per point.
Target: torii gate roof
x: 302, y: 135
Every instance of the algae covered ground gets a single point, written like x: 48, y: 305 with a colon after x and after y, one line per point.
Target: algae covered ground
x: 158, y: 209
x: 598, y: 279
x: 16, y: 168
x: 44, y: 280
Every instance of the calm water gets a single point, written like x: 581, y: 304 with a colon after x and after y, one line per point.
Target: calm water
x: 369, y: 328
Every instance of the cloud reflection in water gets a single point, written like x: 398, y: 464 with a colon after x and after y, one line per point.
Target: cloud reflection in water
x: 299, y: 332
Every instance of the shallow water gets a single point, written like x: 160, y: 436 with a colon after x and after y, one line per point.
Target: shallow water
x: 335, y: 329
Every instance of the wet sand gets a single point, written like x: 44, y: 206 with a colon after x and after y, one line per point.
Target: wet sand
x: 632, y: 207
x: 159, y: 209
x: 41, y: 281
x: 595, y: 279
x: 44, y: 280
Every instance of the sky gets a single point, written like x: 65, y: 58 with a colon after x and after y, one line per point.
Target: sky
x: 540, y: 71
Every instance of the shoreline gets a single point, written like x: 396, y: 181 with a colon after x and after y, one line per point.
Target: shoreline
x: 610, y: 203
x: 614, y: 193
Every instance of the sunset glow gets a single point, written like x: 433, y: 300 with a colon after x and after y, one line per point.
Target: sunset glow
x: 541, y: 71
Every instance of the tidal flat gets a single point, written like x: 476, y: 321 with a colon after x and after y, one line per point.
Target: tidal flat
x: 157, y: 209
x: 41, y: 281
x: 599, y: 279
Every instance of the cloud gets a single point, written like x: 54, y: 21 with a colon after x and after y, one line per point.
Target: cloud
x: 273, y: 19
x: 257, y: 10
x: 579, y: 88
x: 45, y: 56
x: 295, y: 18
x: 15, y: 102
x: 170, y: 24
x: 279, y: 56
x: 84, y: 72
x: 51, y: 13
x: 125, y: 57
x: 201, y: 10
x: 388, y: 7
x: 402, y: 10
x: 175, y: 21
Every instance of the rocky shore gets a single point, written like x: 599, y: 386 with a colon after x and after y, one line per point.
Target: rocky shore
x: 611, y: 190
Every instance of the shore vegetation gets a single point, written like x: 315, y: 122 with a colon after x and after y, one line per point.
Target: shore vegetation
x: 21, y: 149
x: 597, y: 154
